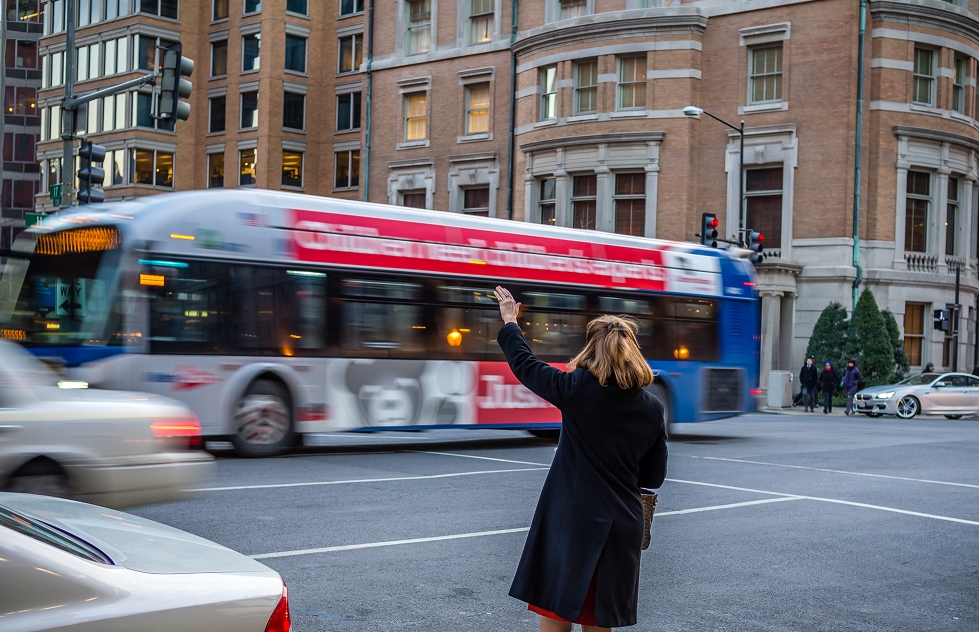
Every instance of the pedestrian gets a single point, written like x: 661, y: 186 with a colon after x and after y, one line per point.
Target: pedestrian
x: 580, y: 563
x: 851, y: 383
x: 929, y: 368
x: 827, y: 384
x: 808, y: 379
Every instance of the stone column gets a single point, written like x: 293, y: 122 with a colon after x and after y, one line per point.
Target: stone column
x: 770, y: 316
x: 605, y: 210
x: 652, y: 184
x: 900, y: 210
x: 562, y: 198
x: 529, y: 199
x: 937, y: 219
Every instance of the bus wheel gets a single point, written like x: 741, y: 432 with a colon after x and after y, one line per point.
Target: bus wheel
x: 660, y: 392
x: 263, y: 420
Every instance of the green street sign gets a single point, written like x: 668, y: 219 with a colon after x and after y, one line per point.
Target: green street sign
x: 54, y: 191
x: 30, y: 219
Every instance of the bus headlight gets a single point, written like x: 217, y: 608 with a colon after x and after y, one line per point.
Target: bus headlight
x: 887, y: 395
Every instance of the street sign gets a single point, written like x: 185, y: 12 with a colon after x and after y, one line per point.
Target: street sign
x: 30, y: 219
x: 54, y: 191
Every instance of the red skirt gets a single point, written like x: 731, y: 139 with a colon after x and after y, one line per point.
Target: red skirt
x: 587, y: 616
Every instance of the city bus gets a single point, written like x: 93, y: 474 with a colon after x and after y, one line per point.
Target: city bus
x: 275, y: 315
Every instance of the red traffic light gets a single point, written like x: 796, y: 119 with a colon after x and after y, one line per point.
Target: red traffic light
x: 761, y: 237
x: 714, y: 223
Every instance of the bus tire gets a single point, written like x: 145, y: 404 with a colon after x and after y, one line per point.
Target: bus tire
x: 263, y: 420
x: 659, y: 392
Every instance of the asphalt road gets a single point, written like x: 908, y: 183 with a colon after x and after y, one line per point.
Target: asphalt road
x: 766, y: 522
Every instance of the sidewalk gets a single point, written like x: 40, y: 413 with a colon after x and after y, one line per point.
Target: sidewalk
x: 799, y: 410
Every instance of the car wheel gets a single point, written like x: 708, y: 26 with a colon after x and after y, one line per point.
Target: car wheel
x: 41, y: 476
x: 263, y: 420
x: 908, y: 407
x: 953, y: 416
x: 659, y: 392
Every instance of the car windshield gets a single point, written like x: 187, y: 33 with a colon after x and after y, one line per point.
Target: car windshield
x: 920, y: 380
x: 43, y: 532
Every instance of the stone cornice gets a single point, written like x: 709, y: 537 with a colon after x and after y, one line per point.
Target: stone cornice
x: 936, y: 135
x: 928, y: 13
x: 611, y: 25
x: 593, y: 139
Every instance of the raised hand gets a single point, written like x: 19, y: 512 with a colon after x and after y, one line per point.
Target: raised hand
x: 509, y: 308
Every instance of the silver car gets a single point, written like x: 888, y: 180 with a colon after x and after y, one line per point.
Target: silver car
x: 107, y: 447
x: 951, y: 394
x: 70, y: 565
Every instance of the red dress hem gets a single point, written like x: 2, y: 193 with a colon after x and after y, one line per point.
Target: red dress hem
x: 587, y: 616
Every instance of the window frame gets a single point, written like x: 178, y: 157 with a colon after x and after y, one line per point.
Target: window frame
x: 575, y: 199
x: 633, y: 84
x: 952, y: 209
x: 412, y: 27
x: 931, y: 78
x: 257, y: 9
x: 302, y: 168
x: 302, y: 13
x: 470, y: 88
x: 564, y: 12
x: 547, y: 93
x: 580, y: 88
x: 254, y: 168
x: 772, y: 241
x: 284, y: 125
x: 777, y: 75
x: 214, y: 10
x: 350, y: 162
x: 918, y: 197
x: 550, y: 202
x: 356, y: 11
x: 623, y: 197
x: 354, y: 119
x: 910, y: 339
x: 210, y: 115
x: 258, y: 58
x: 409, y: 119
x: 357, y: 44
x: 959, y: 79
x: 210, y: 174
x: 241, y: 110
x: 285, y: 63
x: 476, y: 211
x: 485, y: 16
x: 154, y: 167
x: 215, y: 45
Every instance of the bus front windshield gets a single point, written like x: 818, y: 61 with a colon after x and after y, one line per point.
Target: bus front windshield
x: 58, y: 300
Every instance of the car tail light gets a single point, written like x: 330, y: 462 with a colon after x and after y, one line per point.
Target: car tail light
x: 181, y: 433
x: 279, y: 621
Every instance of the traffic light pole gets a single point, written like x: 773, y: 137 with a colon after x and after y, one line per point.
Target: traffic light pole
x: 68, y: 112
x: 955, y: 323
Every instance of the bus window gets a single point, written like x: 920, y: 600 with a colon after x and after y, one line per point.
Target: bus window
x: 382, y: 329
x: 554, y: 337
x: 391, y: 290
x: 468, y: 333
x: 640, y: 310
x: 470, y: 295
x: 549, y: 300
x: 189, y: 311
x: 694, y: 309
x: 307, y: 303
x: 257, y: 329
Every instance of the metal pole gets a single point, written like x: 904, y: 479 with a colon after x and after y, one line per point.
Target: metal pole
x: 955, y: 323
x: 67, y: 110
x: 365, y: 164
x: 742, y: 220
x: 975, y: 338
x: 858, y: 153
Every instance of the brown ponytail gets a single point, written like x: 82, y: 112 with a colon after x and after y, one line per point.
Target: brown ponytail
x: 611, y: 349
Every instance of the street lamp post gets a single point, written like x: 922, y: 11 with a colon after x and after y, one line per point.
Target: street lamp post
x: 694, y: 112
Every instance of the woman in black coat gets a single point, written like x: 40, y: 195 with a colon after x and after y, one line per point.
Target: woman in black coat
x: 580, y: 563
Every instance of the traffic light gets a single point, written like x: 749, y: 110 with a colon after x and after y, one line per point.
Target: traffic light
x: 173, y: 86
x: 708, y: 230
x: 943, y: 320
x: 754, y: 244
x: 90, y: 177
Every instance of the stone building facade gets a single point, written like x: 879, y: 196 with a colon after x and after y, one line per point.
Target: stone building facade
x: 571, y: 113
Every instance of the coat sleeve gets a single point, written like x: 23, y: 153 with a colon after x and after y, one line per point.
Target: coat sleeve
x: 553, y: 385
x: 652, y: 466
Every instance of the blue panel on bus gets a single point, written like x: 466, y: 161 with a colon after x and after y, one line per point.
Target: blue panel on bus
x: 76, y: 356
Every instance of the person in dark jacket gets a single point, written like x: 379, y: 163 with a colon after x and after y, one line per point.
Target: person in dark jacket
x: 808, y: 379
x: 851, y: 383
x: 580, y: 563
x: 929, y: 368
x: 827, y: 384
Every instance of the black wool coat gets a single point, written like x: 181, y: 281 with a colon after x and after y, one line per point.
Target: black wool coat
x: 589, y: 515
x: 808, y: 376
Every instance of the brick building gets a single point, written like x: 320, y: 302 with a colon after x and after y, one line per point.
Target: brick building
x: 572, y: 114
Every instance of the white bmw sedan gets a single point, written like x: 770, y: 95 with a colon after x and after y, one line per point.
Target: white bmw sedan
x: 107, y: 447
x: 951, y: 394
x: 66, y: 565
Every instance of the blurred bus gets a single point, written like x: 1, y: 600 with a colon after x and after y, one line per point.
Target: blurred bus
x: 274, y: 314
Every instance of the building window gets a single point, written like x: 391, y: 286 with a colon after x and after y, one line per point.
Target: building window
x: 923, y: 91
x: 348, y: 111
x: 916, y: 211
x: 632, y: 83
x: 115, y: 56
x: 21, y: 101
x: 54, y: 16
x: 253, y: 6
x: 162, y: 8
x: 150, y: 167
x: 114, y: 112
x: 351, y: 53
x: 951, y: 215
x: 763, y: 204
x: 23, y: 11
x: 251, y: 49
x: 958, y: 86
x: 292, y: 168
x: 115, y: 167
x: 87, y: 62
x: 475, y: 201
x: 346, y: 173
x: 142, y: 113
x: 246, y: 167
x: 219, y: 11
x: 547, y: 201
x: 116, y: 9
x: 219, y: 58
x: 586, y: 87
x: 215, y: 170
x: 573, y: 8
x: 19, y: 147
x: 416, y: 116
x: 413, y: 199
x: 299, y: 7
x: 249, y: 110
x: 351, y: 7
x: 584, y: 201
x: 765, y: 76
x: 19, y: 193
x: 547, y: 82
x: 89, y: 11
x: 419, y: 26
x: 217, y: 115
x: 144, y: 51
x: 477, y: 108
x: 480, y: 21
x: 296, y: 53
x: 21, y: 54
x: 914, y: 332
x: 52, y: 70
x: 294, y: 110
x: 630, y: 204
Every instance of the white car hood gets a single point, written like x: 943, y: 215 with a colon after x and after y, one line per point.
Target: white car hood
x: 130, y: 541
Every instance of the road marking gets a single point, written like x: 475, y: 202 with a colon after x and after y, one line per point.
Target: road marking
x: 365, y: 480
x: 834, y: 501
x: 374, y: 545
x: 731, y: 506
x: 820, y: 469
x: 484, y: 458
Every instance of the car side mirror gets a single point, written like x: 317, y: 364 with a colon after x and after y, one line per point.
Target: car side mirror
x: 939, y: 385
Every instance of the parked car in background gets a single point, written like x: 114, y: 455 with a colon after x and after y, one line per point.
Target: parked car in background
x: 73, y: 565
x: 113, y: 448
x: 951, y: 394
